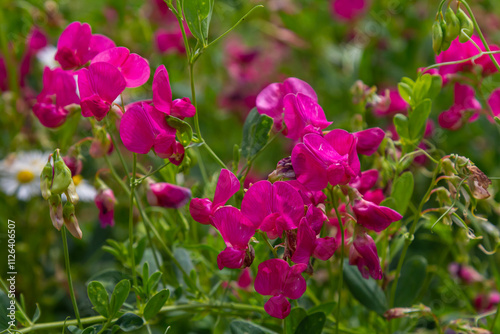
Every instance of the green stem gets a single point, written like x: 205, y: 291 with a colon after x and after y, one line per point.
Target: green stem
x: 165, y: 309
x: 116, y: 176
x: 268, y: 243
x: 341, y: 277
x: 479, y: 55
x: 409, y: 239
x: 68, y: 273
x: 480, y: 33
x: 131, y: 224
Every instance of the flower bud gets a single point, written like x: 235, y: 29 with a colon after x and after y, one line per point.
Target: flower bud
x: 71, y: 194
x: 62, y: 175
x: 46, y: 180
x: 201, y: 209
x: 437, y: 37
x: 452, y: 25
x: 478, y: 183
x: 168, y: 195
x: 105, y: 201
x: 56, y: 211
x: 283, y: 171
x: 446, y: 42
x: 466, y: 26
x: 74, y: 164
x: 101, y: 145
x: 70, y: 220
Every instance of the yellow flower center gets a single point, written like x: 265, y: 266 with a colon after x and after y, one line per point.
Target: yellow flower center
x: 25, y: 176
x: 77, y: 179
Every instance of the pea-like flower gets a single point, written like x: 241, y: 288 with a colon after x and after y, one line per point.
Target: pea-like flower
x: 374, y: 217
x: 168, y: 195
x: 363, y: 254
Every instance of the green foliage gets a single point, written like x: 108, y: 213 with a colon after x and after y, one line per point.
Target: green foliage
x: 198, y: 14
x: 256, y: 132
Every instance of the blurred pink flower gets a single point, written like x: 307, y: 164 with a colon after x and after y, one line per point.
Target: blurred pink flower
x: 466, y: 273
x: 486, y: 301
x: 168, y: 41
x: 168, y: 195
x: 465, y: 107
x: 347, y: 10
x: 396, y: 105
x: 105, y: 201
x: 245, y: 278
x: 276, y: 278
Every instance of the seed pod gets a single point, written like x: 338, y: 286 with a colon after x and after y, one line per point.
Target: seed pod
x: 56, y: 211
x: 62, y: 175
x: 71, y: 194
x: 446, y: 42
x: 452, y: 25
x: 437, y: 37
x: 46, y: 180
x: 70, y: 220
x: 466, y: 26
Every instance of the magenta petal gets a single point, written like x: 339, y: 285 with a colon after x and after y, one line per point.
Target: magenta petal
x: 169, y: 195
x: 364, y: 254
x: 162, y: 93
x: 107, y: 81
x: 245, y: 278
x: 236, y: 229
x: 374, y: 217
x: 227, y: 185
x: 73, y: 44
x: 50, y: 115
x: 294, y: 85
x: 341, y: 141
x: 182, y: 108
x: 257, y: 202
x: 323, y: 148
x: 230, y: 258
x: 295, y: 284
x: 269, y: 101
x: 306, y: 242
x: 278, y: 307
x: 98, y: 43
x: 200, y: 209
x: 288, y: 203
x: 336, y: 174
x: 369, y: 140
x: 494, y: 102
x: 366, y: 181
x: 325, y: 248
x: 114, y: 56
x: 273, y: 225
x: 309, y: 170
x: 136, y: 130
x: 94, y: 106
x: 271, y: 275
x: 164, y: 145
x: 135, y: 70
x: 301, y: 111
x: 315, y: 218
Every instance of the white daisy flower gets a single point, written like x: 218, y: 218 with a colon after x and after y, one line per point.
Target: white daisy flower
x: 20, y: 174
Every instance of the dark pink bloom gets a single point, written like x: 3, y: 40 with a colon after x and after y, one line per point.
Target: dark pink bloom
x: 369, y: 140
x: 309, y: 245
x: 363, y: 253
x: 162, y: 97
x: 35, y: 41
x: 309, y: 197
x: 347, y: 10
x: 365, y: 181
x: 59, y: 91
x: 105, y: 201
x: 494, y: 102
x: 374, y: 217
x: 321, y: 160
x: 99, y: 86
x: 466, y: 273
x: 273, y: 208
x: 202, y: 209
x: 143, y: 128
x: 4, y: 82
x: 77, y: 45
x: 134, y: 68
x: 245, y: 278
x: 74, y: 164
x: 276, y: 278
x: 168, y: 195
x: 397, y: 104
x: 270, y: 99
x: 236, y: 230
x: 376, y: 196
x: 303, y: 115
x: 486, y: 302
x: 465, y: 107
x: 166, y: 41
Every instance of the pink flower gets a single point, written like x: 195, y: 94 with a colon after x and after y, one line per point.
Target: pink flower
x: 168, y: 195
x: 374, y: 217
x: 376, y: 196
x: 397, y: 104
x: 245, y: 278
x: 276, y: 278
x: 99, y: 86
x: 309, y: 245
x: 465, y: 107
x: 363, y: 253
x: 134, y: 69
x: 59, y: 91
x: 77, y: 45
x: 166, y: 41
x: 314, y: 197
x: 347, y: 10
x: 466, y: 273
x: 486, y: 301
x: 202, y: 209
x: 35, y: 41
x: 143, y: 128
x: 162, y: 97
x: 321, y: 160
x: 369, y: 140
x: 494, y: 102
x: 4, y: 82
x: 273, y: 208
x: 270, y: 99
x: 236, y: 230
x: 105, y: 201
x: 365, y: 181
x: 303, y: 115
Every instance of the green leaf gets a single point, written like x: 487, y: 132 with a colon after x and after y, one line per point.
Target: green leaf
x: 246, y: 327
x: 422, y: 87
x: 37, y: 314
x: 198, y: 14
x: 418, y: 120
x: 402, y: 190
x: 236, y: 157
x: 312, y: 324
x: 294, y: 318
x: 129, y: 322
x: 4, y: 312
x: 153, y: 282
x: 120, y: 294
x: 366, y: 291
x: 411, y: 281
x: 73, y: 330
x: 436, y: 85
x: 390, y: 203
x: 184, y: 130
x: 89, y: 330
x: 406, y: 92
x: 99, y: 298
x: 155, y: 304
x: 401, y: 124
x: 256, y: 132
x: 326, y: 308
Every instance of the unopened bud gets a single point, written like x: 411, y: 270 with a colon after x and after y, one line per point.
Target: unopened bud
x: 62, y: 175
x: 46, y: 180
x: 71, y: 194
x: 284, y: 170
x: 56, y: 211
x: 70, y: 220
x: 452, y: 25
x: 466, y: 26
x: 437, y: 37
